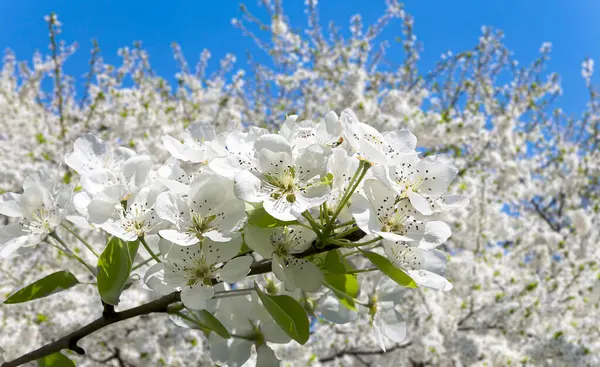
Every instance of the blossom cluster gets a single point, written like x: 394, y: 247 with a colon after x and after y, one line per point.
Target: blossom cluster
x: 223, y: 205
x: 522, y: 253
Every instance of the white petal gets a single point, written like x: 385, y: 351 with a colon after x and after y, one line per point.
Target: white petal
x: 454, y: 202
x: 99, y: 211
x: 369, y: 144
x: 419, y: 203
x: 247, y: 187
x: 95, y: 181
x: 88, y: 153
x: 392, y: 324
x: 12, y: 238
x: 364, y: 214
x: 332, y: 310
x: 403, y: 141
x: 32, y: 200
x: 10, y: 204
x: 313, y: 195
x: 219, y: 349
x: 439, y: 173
x: 266, y: 357
x: 239, y: 352
x: 274, y: 143
x: 154, y: 278
x: 81, y: 200
x: 216, y: 252
x: 174, y: 147
x: 304, y: 275
x: 436, y: 233
x: 330, y: 129
x: 80, y: 221
x: 280, y: 209
x: 274, y: 163
x: 258, y: 239
x: 202, y: 131
x: 278, y: 266
x: 136, y: 169
x: 236, y: 269
x: 431, y: 280
x: 179, y: 238
x: 171, y: 207
x: 301, y: 238
x: 195, y: 297
x: 312, y: 162
x: 117, y: 230
x: 228, y: 166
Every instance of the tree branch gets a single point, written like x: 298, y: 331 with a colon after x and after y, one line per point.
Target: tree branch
x: 70, y: 341
x: 356, y: 353
x: 109, y: 316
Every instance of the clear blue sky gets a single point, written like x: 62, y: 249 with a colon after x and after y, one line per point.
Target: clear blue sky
x: 572, y: 27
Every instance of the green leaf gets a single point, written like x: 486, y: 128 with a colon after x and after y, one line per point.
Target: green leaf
x: 345, y: 287
x: 114, y: 266
x: 55, y: 360
x: 53, y: 283
x: 390, y: 270
x: 336, y: 264
x: 260, y: 218
x: 212, y: 323
x: 288, y: 313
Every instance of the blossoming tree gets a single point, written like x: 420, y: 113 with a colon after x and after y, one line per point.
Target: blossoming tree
x: 316, y: 234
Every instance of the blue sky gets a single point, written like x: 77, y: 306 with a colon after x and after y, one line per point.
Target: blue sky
x: 440, y: 24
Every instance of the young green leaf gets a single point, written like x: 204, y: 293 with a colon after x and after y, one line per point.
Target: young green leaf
x: 390, y: 270
x: 260, y: 218
x: 114, y: 266
x: 55, y: 360
x: 288, y: 313
x: 212, y: 323
x: 345, y: 287
x: 335, y: 264
x: 53, y: 283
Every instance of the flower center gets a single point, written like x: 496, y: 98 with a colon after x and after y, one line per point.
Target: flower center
x: 42, y: 222
x: 283, y: 184
x: 405, y: 256
x: 200, y: 272
x: 284, y: 241
x: 201, y: 224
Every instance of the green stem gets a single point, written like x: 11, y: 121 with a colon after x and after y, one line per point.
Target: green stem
x: 360, y: 173
x: 85, y: 243
x: 345, y: 233
x: 341, y: 242
x: 249, y: 338
x: 321, y: 214
x: 374, y: 240
x: 143, y: 241
x: 345, y: 224
x: 70, y: 253
x: 141, y: 264
x: 358, y: 271
x: 351, y: 253
x: 232, y: 293
x: 187, y: 318
x: 359, y: 251
x: 315, y: 226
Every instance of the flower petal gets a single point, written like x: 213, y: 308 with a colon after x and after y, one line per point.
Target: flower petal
x: 10, y: 204
x: 436, y: 233
x: 196, y: 297
x: 216, y: 252
x: 179, y: 238
x: 236, y: 269
x: 419, y: 203
x: 12, y: 237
